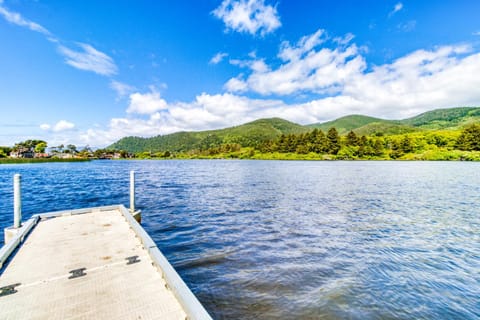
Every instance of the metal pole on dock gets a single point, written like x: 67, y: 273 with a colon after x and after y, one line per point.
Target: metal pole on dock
x: 17, y: 201
x: 132, y: 191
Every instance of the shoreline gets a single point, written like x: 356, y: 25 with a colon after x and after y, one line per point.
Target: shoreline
x: 39, y: 160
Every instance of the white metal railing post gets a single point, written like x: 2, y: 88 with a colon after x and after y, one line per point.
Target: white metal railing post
x: 17, y: 201
x: 132, y: 191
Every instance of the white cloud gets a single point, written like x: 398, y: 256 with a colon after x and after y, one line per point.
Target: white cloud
x: 17, y: 19
x: 250, y: 16
x: 255, y: 65
x: 89, y: 59
x: 236, y: 85
x: 306, y: 68
x: 476, y: 33
x: 396, y: 8
x: 146, y: 103
x: 423, y: 80
x: 216, y: 59
x: 345, y: 39
x: 62, y: 125
x: 303, y: 46
x: 122, y: 89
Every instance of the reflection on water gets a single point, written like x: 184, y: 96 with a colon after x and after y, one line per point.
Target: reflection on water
x: 294, y: 240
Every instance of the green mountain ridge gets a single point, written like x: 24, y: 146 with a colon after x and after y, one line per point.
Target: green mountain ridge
x: 247, y: 135
x: 347, y: 123
x: 385, y: 128
x: 257, y: 132
x: 452, y: 118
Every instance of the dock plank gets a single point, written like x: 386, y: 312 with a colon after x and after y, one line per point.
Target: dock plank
x: 100, y: 242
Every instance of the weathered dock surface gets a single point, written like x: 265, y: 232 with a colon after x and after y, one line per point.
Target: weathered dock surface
x: 95, y: 263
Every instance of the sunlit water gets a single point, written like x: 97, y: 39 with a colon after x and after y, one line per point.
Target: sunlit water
x: 293, y: 240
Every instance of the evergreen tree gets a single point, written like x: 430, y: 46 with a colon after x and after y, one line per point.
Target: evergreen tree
x: 377, y: 148
x: 469, y: 139
x: 363, y: 149
x: 406, y: 144
x: 320, y: 142
x: 301, y: 149
x: 352, y: 139
x: 312, y: 136
x: 292, y: 142
x: 363, y: 141
x: 266, y: 147
x: 333, y: 141
x: 282, y: 144
x: 397, y: 151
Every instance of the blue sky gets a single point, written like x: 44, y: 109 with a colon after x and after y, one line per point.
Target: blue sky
x: 90, y: 72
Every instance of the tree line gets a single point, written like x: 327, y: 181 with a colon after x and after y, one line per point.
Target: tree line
x: 316, y: 142
x: 354, y: 146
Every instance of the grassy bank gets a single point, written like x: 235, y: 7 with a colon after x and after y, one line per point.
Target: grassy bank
x: 434, y: 154
x: 38, y: 160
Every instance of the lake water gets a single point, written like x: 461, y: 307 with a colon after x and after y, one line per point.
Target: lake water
x: 293, y: 240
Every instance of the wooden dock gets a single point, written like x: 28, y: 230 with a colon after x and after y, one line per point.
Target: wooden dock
x: 95, y: 263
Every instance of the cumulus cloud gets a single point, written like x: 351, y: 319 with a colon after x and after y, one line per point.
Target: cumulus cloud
x: 146, y: 103
x: 216, y: 59
x: 62, y: 125
x: 303, y: 46
x: 236, y: 85
x: 249, y: 16
x: 418, y: 82
x: 89, y: 59
x: 422, y: 80
x: 16, y: 18
x: 306, y: 68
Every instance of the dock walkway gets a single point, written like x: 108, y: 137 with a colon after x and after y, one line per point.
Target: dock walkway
x: 95, y: 263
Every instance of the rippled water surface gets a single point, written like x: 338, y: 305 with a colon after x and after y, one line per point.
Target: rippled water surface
x: 293, y: 240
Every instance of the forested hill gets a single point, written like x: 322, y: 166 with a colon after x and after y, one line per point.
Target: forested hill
x: 257, y: 132
x: 347, y: 123
x: 452, y: 118
x: 247, y: 135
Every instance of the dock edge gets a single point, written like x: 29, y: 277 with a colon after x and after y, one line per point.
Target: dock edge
x: 192, y: 307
